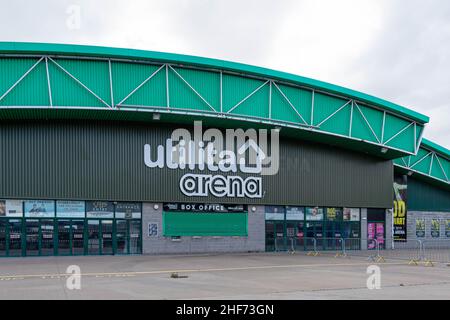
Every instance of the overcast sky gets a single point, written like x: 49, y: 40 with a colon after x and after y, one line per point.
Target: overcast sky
x: 398, y: 50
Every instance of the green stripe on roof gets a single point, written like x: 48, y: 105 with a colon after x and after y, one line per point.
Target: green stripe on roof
x: 107, y: 52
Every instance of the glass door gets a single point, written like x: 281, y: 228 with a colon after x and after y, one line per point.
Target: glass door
x: 64, y: 237
x: 122, y: 236
x: 270, y: 236
x: 77, y: 228
x: 47, y: 237
x: 15, y: 237
x: 135, y: 232
x: 3, y: 237
x: 107, y: 237
x: 93, y: 231
x: 32, y: 237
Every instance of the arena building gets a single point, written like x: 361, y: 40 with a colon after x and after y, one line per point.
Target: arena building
x: 115, y: 151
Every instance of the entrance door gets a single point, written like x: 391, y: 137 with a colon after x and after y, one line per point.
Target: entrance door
x: 135, y: 232
x: 15, y: 237
x: 93, y: 230
x: 314, y: 229
x: 3, y: 237
x: 107, y: 237
x: 295, y: 235
x: 47, y: 237
x: 32, y: 237
x: 122, y: 236
x: 64, y: 237
x: 77, y: 227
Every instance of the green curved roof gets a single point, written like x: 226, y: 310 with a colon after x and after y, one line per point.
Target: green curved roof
x: 48, y: 81
x: 98, y: 51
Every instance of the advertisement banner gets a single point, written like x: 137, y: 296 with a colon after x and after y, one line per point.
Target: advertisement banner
x: 334, y: 214
x: 99, y: 209
x: 274, y: 212
x: 11, y: 208
x: 351, y: 214
x: 435, y: 228
x: 295, y: 213
x: 40, y: 209
x: 314, y: 214
x: 371, y: 235
x: 128, y: 210
x: 400, y: 209
x: 70, y: 209
x: 420, y: 228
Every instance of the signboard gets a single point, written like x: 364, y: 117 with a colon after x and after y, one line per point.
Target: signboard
x: 400, y: 210
x: 435, y: 228
x: 70, y: 209
x: 375, y: 230
x: 295, y: 213
x: 420, y: 228
x: 99, y: 209
x: 128, y: 210
x: 274, y: 212
x: 11, y: 208
x: 334, y: 214
x: 314, y: 214
x: 40, y: 209
x: 205, y: 207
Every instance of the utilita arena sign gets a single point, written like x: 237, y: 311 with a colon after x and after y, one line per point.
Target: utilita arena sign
x: 239, y: 151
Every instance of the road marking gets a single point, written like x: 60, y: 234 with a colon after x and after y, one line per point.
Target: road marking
x: 134, y: 273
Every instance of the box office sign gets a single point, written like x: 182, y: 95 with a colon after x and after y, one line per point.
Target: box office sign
x: 99, y: 209
x: 70, y: 209
x: 128, y: 210
x: 11, y: 208
x: 205, y: 207
x: 39, y: 209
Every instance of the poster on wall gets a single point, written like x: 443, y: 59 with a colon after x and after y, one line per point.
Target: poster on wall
x: 420, y: 228
x: 99, y: 209
x: 400, y: 209
x: 11, y: 208
x: 70, y: 209
x: 314, y: 214
x: 274, y: 212
x: 295, y: 213
x: 40, y: 209
x: 128, y: 210
x: 351, y: 214
x: 371, y: 236
x: 334, y: 214
x: 435, y: 228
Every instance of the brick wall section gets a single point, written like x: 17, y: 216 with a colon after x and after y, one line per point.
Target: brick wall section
x: 158, y: 244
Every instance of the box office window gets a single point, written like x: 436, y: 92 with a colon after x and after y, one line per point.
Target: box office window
x: 204, y: 224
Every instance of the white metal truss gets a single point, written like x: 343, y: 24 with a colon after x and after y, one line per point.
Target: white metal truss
x: 246, y: 98
x: 367, y: 123
x: 21, y: 78
x: 79, y: 82
x: 289, y: 102
x: 302, y: 123
x: 192, y: 88
x: 428, y: 172
x: 334, y: 113
x: 140, y: 85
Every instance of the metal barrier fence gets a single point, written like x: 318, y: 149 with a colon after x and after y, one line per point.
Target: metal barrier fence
x: 379, y: 250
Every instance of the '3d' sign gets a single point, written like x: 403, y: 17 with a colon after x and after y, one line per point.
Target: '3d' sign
x: 206, y: 152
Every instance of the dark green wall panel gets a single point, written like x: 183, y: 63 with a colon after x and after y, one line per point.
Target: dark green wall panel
x: 423, y: 196
x: 105, y: 160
